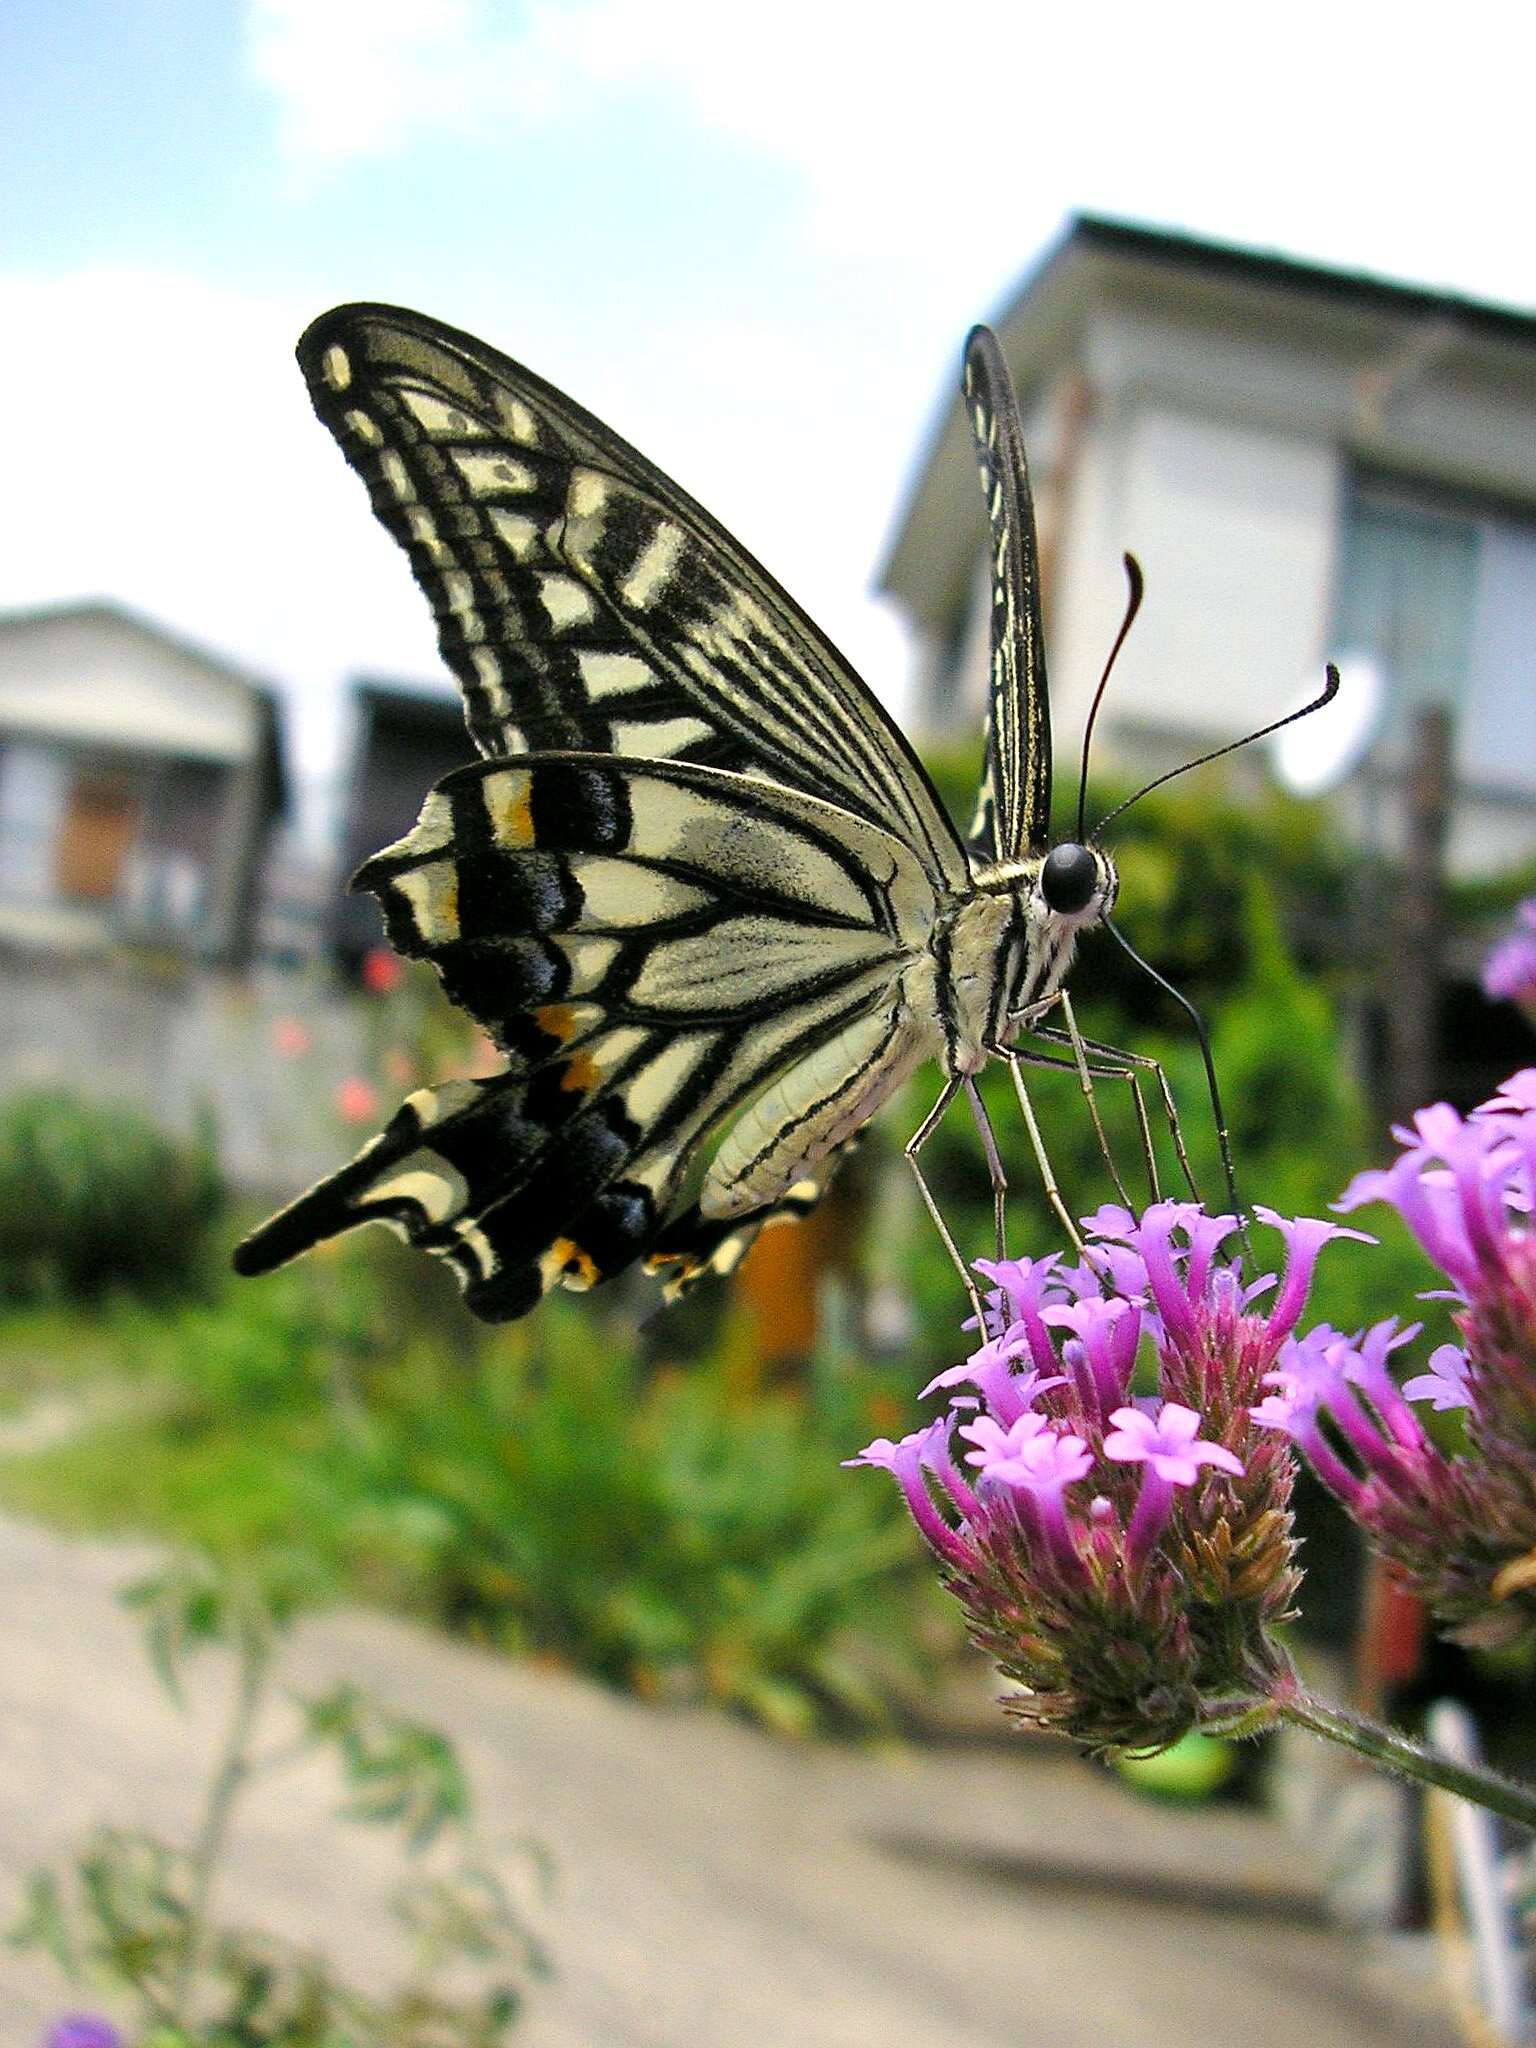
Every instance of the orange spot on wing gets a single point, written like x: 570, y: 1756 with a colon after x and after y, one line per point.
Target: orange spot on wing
x: 555, y: 1020
x: 578, y: 1269
x: 508, y: 802
x: 581, y: 1073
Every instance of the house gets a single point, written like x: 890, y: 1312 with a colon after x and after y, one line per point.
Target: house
x: 1308, y: 464
x: 405, y: 738
x: 140, y: 778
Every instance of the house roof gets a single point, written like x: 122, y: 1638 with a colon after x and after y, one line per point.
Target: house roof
x: 1240, y: 264
x: 91, y: 671
x: 938, y: 524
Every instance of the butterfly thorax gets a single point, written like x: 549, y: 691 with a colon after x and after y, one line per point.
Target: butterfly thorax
x: 1001, y: 951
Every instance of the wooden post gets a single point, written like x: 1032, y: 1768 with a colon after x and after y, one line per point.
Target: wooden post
x: 1414, y: 967
x: 1391, y: 1639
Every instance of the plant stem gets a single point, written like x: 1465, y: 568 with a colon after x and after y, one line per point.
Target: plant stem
x: 1393, y: 1751
x: 233, y: 1771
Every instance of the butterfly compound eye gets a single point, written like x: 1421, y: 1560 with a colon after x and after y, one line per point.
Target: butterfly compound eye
x: 1069, y: 878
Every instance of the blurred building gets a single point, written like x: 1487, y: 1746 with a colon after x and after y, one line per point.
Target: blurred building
x: 1308, y: 463
x: 140, y: 780
x: 406, y: 737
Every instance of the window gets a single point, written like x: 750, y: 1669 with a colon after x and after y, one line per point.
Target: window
x: 1405, y: 597
x: 34, y: 781
x: 1443, y: 598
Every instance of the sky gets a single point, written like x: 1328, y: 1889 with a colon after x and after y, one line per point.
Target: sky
x: 751, y: 238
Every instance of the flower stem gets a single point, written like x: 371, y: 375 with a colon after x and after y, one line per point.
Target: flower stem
x: 233, y: 1770
x: 1394, y: 1751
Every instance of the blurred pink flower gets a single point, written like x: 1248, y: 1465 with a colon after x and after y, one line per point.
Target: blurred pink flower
x: 1509, y: 972
x: 382, y: 971
x: 357, y: 1100
x: 1459, y: 1523
x: 84, y: 2030
x: 291, y: 1038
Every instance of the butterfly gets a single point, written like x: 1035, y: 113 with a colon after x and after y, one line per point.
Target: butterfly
x: 699, y: 890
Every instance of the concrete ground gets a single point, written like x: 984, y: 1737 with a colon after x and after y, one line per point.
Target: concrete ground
x: 713, y: 1887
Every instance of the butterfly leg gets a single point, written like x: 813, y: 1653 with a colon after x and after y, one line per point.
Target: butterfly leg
x: 1126, y: 1064
x: 995, y: 1172
x: 1106, y: 1065
x: 1017, y: 1060
x: 1113, y: 1059
x: 915, y: 1144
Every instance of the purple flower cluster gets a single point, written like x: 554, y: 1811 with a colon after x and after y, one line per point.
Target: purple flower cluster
x: 1509, y: 972
x: 1459, y: 1525
x: 1121, y: 1537
x: 84, y: 2030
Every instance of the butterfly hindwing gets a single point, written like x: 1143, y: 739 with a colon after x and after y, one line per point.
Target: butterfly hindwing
x: 571, y: 1171
x: 654, y: 945
x: 1013, y: 812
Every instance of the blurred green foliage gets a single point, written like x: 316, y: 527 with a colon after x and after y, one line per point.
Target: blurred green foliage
x: 95, y: 1200
x: 540, y: 1488
x: 135, y: 1913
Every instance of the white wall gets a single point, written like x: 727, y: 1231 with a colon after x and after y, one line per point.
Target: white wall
x: 1234, y: 527
x: 96, y: 678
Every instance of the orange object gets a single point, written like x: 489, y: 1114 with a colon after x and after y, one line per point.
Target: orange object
x: 1390, y: 1648
x: 777, y: 1285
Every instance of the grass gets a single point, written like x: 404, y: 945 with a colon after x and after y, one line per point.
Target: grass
x: 545, y: 1488
x: 52, y: 1349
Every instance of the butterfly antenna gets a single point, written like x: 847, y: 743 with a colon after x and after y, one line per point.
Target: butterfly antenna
x: 1329, y: 691
x: 1137, y: 581
x: 1228, y: 1172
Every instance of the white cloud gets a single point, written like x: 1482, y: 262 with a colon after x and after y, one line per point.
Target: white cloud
x: 954, y: 142
x: 355, y: 80
x: 368, y: 78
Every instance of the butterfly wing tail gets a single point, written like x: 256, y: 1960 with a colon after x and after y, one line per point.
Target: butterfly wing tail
x: 465, y: 1172
x: 386, y: 1183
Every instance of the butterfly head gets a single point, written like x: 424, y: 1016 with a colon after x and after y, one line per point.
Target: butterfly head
x: 1075, y: 879
x: 1008, y: 946
x: 1078, y: 883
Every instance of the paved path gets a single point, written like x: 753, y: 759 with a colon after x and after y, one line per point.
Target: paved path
x: 714, y: 1888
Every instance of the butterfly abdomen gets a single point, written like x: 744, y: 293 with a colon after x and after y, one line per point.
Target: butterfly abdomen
x: 813, y: 1109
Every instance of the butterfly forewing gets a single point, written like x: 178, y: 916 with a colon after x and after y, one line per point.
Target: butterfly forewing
x: 584, y: 600
x: 1013, y: 813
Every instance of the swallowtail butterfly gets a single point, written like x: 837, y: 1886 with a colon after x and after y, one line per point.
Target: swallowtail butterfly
x: 699, y: 890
